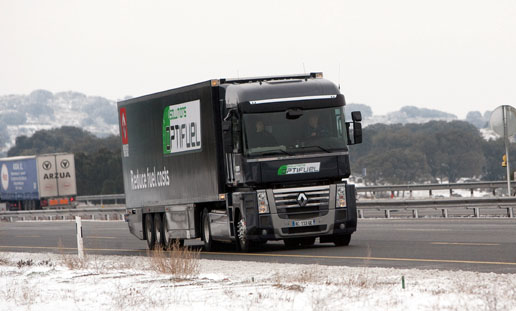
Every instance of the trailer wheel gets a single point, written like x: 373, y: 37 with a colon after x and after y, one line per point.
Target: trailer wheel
x: 158, y: 229
x: 209, y: 244
x: 242, y: 242
x: 149, y: 231
x: 342, y: 240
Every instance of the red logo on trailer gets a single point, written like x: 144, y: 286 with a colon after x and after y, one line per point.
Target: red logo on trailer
x: 123, y: 126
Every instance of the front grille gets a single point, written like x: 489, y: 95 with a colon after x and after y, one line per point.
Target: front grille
x: 288, y: 207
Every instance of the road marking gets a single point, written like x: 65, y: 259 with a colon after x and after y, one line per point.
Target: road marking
x: 466, y: 244
x: 28, y: 236
x: 371, y: 258
x: 500, y: 263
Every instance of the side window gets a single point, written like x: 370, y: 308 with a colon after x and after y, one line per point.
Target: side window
x: 339, y: 120
x: 237, y: 132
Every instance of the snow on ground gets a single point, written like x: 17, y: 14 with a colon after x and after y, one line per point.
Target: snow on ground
x: 62, y: 282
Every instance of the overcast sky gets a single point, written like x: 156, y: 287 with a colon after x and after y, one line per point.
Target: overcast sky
x: 455, y: 56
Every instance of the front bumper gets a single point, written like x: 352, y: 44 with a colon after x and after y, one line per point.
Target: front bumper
x: 325, y: 220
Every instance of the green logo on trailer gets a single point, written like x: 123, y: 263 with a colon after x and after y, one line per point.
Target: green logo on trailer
x: 182, y: 128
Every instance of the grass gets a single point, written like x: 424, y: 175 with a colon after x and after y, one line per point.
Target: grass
x: 73, y: 262
x: 181, y: 262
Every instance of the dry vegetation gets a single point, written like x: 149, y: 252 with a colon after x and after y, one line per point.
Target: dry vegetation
x: 181, y: 262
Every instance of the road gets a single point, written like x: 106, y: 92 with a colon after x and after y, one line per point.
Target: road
x: 483, y: 245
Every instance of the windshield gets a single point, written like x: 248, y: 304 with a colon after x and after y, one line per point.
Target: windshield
x: 294, y: 131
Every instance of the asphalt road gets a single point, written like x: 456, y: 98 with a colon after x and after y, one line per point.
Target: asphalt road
x: 484, y: 245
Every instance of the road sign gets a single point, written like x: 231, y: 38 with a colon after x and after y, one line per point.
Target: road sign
x: 497, y: 121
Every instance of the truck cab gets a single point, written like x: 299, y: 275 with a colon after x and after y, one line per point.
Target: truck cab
x: 286, y: 149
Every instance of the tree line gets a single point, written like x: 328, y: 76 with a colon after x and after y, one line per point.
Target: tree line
x: 392, y: 154
x: 433, y: 151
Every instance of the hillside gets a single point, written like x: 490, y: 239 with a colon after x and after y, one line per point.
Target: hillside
x: 43, y: 110
x: 23, y: 115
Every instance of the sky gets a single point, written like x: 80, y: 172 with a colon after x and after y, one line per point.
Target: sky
x: 451, y: 55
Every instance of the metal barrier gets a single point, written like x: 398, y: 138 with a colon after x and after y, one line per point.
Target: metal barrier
x: 93, y: 213
x: 101, y: 198
x: 491, y: 185
x: 456, y: 207
x: 462, y: 207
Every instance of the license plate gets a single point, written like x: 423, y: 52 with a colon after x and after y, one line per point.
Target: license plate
x: 302, y: 223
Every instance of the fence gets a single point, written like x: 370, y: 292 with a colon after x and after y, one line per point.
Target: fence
x: 492, y: 186
x: 93, y: 213
x: 459, y: 207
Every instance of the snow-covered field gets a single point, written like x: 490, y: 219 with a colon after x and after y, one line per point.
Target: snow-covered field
x: 62, y: 282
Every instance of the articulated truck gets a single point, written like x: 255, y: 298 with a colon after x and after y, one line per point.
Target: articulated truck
x: 38, y: 181
x: 241, y: 161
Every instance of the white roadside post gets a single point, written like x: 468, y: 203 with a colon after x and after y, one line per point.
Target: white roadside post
x: 78, y: 229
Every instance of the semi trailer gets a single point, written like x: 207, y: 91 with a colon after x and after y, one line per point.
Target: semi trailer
x: 38, y: 181
x: 241, y: 161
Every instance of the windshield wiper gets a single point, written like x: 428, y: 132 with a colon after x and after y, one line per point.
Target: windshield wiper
x: 315, y: 146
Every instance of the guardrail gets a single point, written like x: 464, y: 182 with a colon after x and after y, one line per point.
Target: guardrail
x: 491, y: 185
x: 102, y: 198
x: 461, y: 206
x: 93, y: 213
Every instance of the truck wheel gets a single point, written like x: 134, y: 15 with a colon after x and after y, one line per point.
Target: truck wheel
x: 149, y: 230
x: 242, y: 242
x: 209, y: 244
x: 342, y: 240
x: 159, y: 230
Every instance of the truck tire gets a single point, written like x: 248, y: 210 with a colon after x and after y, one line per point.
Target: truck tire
x: 342, y: 240
x: 243, y: 243
x: 159, y: 230
x: 149, y: 231
x: 209, y: 244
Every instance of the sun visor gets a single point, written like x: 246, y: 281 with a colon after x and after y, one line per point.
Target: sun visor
x: 282, y: 104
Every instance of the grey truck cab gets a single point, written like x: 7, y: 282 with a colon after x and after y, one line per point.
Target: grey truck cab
x: 240, y: 161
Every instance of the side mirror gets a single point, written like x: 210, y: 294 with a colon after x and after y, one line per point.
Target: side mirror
x: 227, y: 135
x: 356, y: 116
x: 357, y: 132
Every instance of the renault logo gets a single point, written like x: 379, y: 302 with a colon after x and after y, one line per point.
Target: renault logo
x: 302, y: 199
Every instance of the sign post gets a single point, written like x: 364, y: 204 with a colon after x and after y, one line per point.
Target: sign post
x: 503, y: 122
x: 506, y: 142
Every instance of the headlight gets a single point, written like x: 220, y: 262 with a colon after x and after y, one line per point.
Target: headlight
x: 341, y: 196
x: 263, y: 204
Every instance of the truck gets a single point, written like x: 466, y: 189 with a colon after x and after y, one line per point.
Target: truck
x: 38, y: 181
x: 242, y: 161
